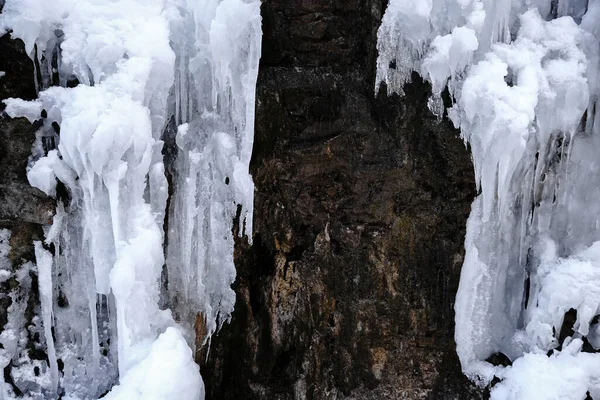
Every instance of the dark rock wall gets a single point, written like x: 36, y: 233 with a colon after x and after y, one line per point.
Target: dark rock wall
x: 19, y: 201
x: 361, y: 204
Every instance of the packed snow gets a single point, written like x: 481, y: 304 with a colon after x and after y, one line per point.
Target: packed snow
x: 523, y: 79
x: 114, y: 75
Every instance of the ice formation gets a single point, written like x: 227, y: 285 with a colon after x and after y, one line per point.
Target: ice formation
x: 214, y: 112
x: 523, y: 79
x: 115, y: 74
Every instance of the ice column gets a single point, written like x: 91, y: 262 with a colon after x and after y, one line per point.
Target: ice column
x: 44, y: 264
x: 214, y: 107
x: 108, y: 236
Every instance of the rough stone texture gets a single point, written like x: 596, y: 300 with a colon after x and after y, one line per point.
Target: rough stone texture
x: 20, y: 202
x: 23, y: 209
x: 361, y: 203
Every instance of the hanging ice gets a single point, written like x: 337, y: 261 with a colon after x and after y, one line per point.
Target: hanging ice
x: 44, y: 264
x: 137, y: 62
x: 523, y: 79
x: 214, y: 111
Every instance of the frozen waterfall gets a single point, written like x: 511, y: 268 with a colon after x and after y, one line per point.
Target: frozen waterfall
x: 522, y: 76
x: 118, y: 298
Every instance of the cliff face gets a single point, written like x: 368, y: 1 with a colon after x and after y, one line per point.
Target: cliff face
x: 361, y: 203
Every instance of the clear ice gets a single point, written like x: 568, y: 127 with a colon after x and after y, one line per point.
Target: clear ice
x: 115, y: 74
x: 523, y: 79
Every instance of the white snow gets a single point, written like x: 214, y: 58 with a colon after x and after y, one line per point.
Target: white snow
x: 21, y: 108
x: 167, y: 372
x: 42, y: 175
x: 564, y: 375
x: 524, y: 85
x: 128, y: 56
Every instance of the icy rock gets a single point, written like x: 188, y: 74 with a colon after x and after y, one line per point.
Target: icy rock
x: 523, y: 80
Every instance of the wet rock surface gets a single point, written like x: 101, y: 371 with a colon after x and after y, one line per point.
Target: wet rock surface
x: 361, y: 203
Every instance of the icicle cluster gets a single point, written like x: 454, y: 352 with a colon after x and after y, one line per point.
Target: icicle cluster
x: 214, y: 111
x: 113, y: 73
x: 523, y: 79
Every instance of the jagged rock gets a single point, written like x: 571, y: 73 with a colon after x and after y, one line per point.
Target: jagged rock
x: 23, y: 209
x: 20, y: 202
x: 361, y: 204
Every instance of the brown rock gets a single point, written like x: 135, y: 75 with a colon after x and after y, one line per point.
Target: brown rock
x: 19, y: 201
x: 361, y: 203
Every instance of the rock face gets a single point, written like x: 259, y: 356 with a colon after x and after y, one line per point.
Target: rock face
x: 361, y: 203
x: 20, y: 202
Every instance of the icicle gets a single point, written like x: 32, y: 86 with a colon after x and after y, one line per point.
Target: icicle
x: 109, y: 239
x: 44, y: 264
x: 214, y: 99
x: 94, y: 322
